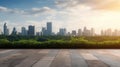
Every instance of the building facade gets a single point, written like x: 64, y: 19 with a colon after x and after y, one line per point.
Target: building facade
x: 49, y: 28
x: 31, y: 30
x: 5, y: 29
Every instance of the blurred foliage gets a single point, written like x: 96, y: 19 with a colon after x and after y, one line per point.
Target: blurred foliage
x: 59, y: 42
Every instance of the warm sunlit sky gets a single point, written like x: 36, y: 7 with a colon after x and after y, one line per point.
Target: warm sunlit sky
x: 71, y: 14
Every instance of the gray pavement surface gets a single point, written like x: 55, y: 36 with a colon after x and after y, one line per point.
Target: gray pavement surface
x: 59, y: 58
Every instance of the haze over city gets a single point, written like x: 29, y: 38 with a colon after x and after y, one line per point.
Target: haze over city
x: 69, y: 14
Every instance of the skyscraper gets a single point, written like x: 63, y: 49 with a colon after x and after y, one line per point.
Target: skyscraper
x: 49, y: 28
x: 31, y: 30
x: 92, y: 32
x: 62, y: 32
x: 44, y: 31
x: 5, y: 30
x: 23, y: 31
x: 87, y: 32
x: 79, y: 32
x: 14, y: 32
x: 73, y: 32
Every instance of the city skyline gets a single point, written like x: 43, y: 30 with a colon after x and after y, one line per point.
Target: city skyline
x: 47, y: 31
x: 72, y: 14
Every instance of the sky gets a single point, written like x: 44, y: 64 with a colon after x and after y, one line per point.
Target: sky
x: 69, y: 14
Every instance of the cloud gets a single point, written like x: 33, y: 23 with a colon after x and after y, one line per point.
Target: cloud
x: 66, y: 3
x: 31, y: 12
x: 39, y: 11
x: 94, y: 4
x: 7, y: 10
x: 3, y: 9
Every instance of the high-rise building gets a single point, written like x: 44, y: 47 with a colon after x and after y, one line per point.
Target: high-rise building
x: 107, y: 32
x: 14, y: 31
x: 5, y: 30
x: 62, y: 32
x: 23, y: 31
x: 92, y: 32
x: 79, y: 32
x: 49, y: 28
x: 44, y: 31
x: 74, y: 33
x: 31, y: 30
x: 85, y: 31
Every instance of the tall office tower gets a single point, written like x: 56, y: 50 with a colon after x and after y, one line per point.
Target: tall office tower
x: 87, y: 32
x: 14, y: 32
x: 84, y: 31
x: 73, y: 32
x: 92, y: 32
x: 62, y: 32
x: 31, y: 30
x: 79, y: 32
x: 49, y: 28
x: 23, y: 31
x: 44, y: 31
x: 5, y: 30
